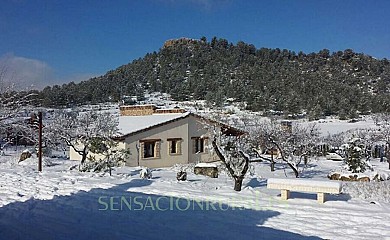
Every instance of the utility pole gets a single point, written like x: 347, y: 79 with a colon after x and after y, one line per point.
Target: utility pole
x: 40, y: 141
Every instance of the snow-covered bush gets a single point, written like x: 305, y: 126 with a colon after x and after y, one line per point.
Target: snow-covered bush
x: 145, y: 173
x: 33, y: 161
x: 373, y: 191
x: 109, y: 157
x: 181, y: 176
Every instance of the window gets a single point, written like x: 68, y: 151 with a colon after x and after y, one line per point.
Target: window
x: 150, y: 148
x: 174, y: 146
x: 199, y: 144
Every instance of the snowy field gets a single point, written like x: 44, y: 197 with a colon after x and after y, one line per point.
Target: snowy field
x: 330, y: 126
x: 65, y: 204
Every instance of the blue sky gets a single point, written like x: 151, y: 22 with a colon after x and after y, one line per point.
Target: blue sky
x: 51, y: 41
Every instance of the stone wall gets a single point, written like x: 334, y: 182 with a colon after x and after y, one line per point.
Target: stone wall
x: 174, y: 110
x: 138, y: 110
x: 356, y: 178
x: 142, y: 110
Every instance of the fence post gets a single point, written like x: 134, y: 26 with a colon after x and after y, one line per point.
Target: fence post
x: 40, y: 141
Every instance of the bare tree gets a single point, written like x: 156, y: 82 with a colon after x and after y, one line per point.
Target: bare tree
x: 230, y: 144
x: 381, y: 118
x: 384, y: 135
x: 14, y: 107
x: 83, y: 131
x: 294, y: 145
x: 235, y: 161
x: 335, y: 140
x: 259, y: 132
x: 368, y: 138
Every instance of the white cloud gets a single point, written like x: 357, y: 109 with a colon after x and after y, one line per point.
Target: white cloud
x: 24, y: 72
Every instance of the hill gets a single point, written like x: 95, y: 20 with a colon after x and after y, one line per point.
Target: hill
x: 323, y: 83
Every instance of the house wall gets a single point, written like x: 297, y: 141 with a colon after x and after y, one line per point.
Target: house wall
x: 176, y: 129
x: 73, y: 155
x: 197, y: 128
x: 185, y: 129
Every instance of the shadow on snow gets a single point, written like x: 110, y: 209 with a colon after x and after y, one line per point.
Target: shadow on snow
x: 82, y: 216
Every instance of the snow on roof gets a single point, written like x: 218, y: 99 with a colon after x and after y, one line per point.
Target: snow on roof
x: 305, y: 182
x: 132, y: 124
x: 206, y: 165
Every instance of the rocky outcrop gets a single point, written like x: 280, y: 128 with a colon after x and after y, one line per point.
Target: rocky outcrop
x: 337, y: 176
x: 172, y: 42
x: 364, y: 179
x: 334, y: 176
x: 25, y: 155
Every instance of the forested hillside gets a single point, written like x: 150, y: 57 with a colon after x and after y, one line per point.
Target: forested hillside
x: 322, y: 83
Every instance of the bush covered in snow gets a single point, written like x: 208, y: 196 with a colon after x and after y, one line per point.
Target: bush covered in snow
x: 372, y: 191
x: 145, y: 173
x: 100, y: 165
x: 33, y: 161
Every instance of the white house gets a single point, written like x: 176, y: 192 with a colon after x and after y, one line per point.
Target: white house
x: 164, y: 137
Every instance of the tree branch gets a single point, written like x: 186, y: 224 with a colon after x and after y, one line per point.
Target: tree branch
x: 222, y: 157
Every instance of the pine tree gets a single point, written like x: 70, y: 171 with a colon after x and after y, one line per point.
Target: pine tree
x: 343, y: 83
x: 355, y: 159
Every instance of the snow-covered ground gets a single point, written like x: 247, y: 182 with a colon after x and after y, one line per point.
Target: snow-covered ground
x: 331, y: 125
x: 66, y: 204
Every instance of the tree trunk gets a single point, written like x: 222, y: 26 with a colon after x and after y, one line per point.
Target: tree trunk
x: 294, y: 169
x: 83, y: 159
x: 285, y: 160
x: 272, y: 163
x: 237, y: 179
x: 84, y: 155
x: 238, y: 183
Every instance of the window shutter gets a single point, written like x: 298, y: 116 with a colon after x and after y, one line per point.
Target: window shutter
x: 194, y: 145
x: 141, y: 150
x: 157, y: 149
x: 206, y: 145
x: 178, y: 146
x: 169, y: 146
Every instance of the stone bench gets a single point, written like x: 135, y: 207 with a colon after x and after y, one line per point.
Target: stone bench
x: 304, y: 185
